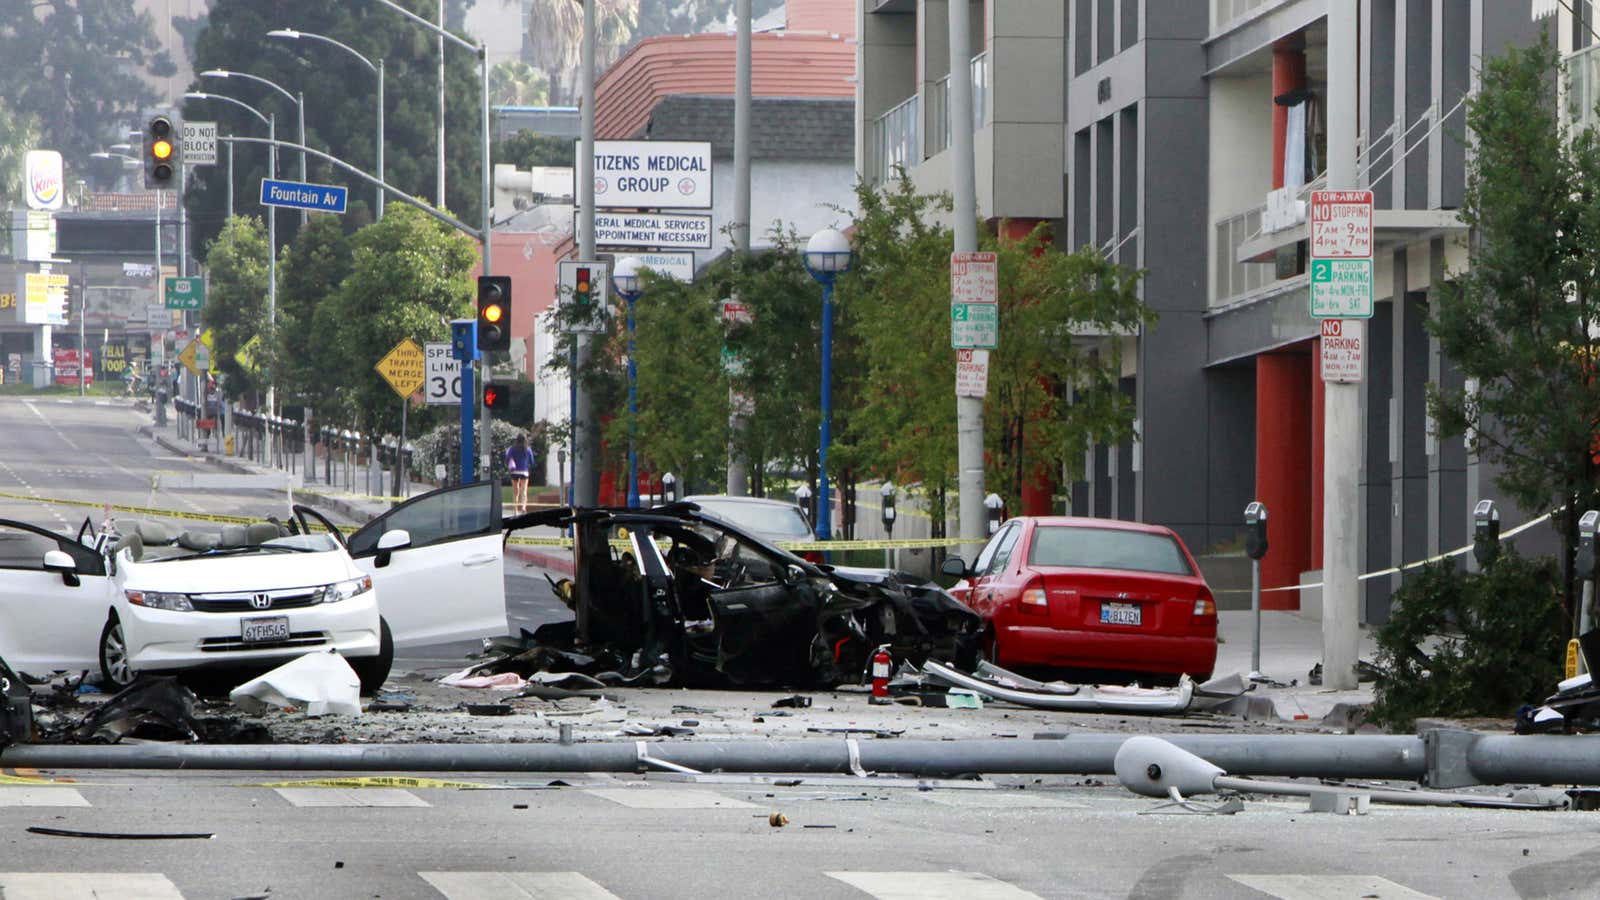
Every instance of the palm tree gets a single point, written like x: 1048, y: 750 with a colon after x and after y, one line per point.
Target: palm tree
x: 18, y: 135
x: 515, y: 83
x: 555, y: 35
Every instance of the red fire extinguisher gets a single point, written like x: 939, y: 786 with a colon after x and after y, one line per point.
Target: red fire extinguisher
x: 881, y: 664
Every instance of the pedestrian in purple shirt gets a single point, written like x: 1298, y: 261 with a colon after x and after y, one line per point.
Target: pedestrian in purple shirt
x: 519, y: 463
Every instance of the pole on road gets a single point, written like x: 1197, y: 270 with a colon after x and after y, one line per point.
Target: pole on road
x: 585, y: 477
x: 1343, y: 428
x: 738, y: 466
x: 439, y: 137
x: 969, y: 410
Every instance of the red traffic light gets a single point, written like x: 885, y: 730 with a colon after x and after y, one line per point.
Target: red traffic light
x: 496, y: 396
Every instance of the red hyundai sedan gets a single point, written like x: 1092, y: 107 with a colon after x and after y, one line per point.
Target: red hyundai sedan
x: 1091, y: 594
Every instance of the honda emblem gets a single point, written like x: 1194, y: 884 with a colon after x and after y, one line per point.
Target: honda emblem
x: 261, y: 601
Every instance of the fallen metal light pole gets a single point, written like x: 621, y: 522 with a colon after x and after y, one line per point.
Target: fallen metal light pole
x: 1440, y: 759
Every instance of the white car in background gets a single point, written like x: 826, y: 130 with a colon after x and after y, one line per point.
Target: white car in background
x: 148, y: 600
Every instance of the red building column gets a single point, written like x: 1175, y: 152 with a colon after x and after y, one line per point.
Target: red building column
x: 1318, y: 435
x: 1283, y: 464
x: 1288, y: 74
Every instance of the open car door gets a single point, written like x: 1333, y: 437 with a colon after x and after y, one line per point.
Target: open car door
x: 50, y: 618
x: 448, y: 583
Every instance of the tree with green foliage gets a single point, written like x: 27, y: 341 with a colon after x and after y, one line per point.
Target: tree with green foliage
x: 515, y: 83
x: 409, y: 276
x: 527, y: 149
x: 1522, y: 322
x: 340, y: 105
x: 236, y: 299
x: 78, y: 68
x: 19, y: 133
x: 310, y: 271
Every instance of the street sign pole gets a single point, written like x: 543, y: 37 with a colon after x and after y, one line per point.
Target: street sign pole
x: 464, y: 346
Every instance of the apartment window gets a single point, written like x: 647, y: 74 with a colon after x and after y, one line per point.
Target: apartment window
x: 1083, y: 36
x: 1130, y: 23
x: 1082, y: 232
x: 1105, y: 29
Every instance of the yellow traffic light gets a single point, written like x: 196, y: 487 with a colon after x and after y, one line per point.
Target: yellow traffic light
x: 492, y: 313
x: 161, y: 149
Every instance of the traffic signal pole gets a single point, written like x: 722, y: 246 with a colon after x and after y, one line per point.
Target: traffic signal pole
x: 585, y: 481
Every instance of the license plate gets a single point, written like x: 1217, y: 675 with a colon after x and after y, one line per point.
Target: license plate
x: 267, y: 628
x: 1119, y: 614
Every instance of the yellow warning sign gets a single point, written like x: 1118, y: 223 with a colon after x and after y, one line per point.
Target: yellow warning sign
x: 403, y: 368
x: 196, y: 357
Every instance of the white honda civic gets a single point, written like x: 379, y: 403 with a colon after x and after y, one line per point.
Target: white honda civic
x: 145, y: 599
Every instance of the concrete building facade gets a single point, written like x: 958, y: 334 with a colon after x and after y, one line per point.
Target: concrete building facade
x: 1183, y: 137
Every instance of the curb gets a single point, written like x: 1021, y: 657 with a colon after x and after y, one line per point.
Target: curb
x: 167, y: 443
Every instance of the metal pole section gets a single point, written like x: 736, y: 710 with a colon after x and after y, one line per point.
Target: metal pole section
x: 183, y: 221
x: 380, y: 139
x: 469, y: 393
x: 272, y: 254
x: 439, y: 189
x: 300, y: 111
x: 969, y: 410
x: 1343, y: 428
x: 1255, y: 610
x: 633, y: 413
x: 231, y: 212
x: 738, y: 466
x: 1329, y: 756
x: 1585, y: 619
x: 83, y: 310
x: 824, y: 523
x: 585, y: 477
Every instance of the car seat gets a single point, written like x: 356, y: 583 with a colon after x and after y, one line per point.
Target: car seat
x: 198, y: 541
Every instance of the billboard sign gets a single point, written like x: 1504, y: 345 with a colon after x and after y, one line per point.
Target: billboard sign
x: 45, y: 180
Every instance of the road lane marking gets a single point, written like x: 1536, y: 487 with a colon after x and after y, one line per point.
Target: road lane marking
x: 348, y: 797
x: 87, y: 886
x: 51, y: 425
x: 1329, y: 887
x: 516, y: 886
x: 932, y: 886
x: 40, y: 796
x: 666, y: 798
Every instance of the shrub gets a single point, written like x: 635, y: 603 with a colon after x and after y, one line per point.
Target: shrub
x: 442, y: 445
x: 1470, y: 644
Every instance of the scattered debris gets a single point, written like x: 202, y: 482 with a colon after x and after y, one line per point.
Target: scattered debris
x: 998, y: 684
x: 795, y: 701
x: 122, y: 835
x: 777, y: 820
x: 488, y: 709
x: 504, y: 681
x: 152, y: 708
x: 322, y: 683
x: 16, y: 708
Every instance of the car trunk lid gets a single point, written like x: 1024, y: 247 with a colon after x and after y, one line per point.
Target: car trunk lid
x: 1120, y: 601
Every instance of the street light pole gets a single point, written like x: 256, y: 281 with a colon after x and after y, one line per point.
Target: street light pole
x: 299, y: 101
x: 376, y: 69
x: 626, y: 281
x: 827, y: 255
x: 585, y: 441
x: 969, y: 410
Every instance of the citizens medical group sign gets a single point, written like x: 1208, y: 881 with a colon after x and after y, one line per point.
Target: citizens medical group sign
x: 652, y: 175
x: 45, y: 182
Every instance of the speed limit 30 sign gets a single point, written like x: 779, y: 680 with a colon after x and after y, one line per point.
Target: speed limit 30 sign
x: 443, y: 374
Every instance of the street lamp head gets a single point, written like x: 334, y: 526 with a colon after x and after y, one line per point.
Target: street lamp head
x: 887, y: 490
x: 828, y: 252
x: 284, y: 33
x: 625, y: 276
x: 216, y: 73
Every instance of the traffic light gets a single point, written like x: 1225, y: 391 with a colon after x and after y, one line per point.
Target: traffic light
x: 583, y: 288
x: 496, y: 396
x: 494, y: 313
x: 163, y: 150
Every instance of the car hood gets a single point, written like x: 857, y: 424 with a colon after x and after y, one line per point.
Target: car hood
x: 245, y: 572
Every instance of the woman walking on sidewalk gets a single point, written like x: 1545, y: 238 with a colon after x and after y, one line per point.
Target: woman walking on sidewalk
x: 519, y: 462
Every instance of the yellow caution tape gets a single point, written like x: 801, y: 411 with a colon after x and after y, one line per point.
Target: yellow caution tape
x: 33, y: 780
x: 902, y: 544
x: 375, y: 781
x: 1571, y: 667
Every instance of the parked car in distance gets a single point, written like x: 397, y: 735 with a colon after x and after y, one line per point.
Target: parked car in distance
x: 773, y: 520
x: 142, y: 597
x: 1100, y: 595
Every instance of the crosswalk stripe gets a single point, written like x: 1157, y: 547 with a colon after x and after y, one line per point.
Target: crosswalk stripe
x: 660, y: 798
x: 998, y: 800
x: 1329, y: 887
x: 381, y: 797
x: 40, y: 796
x: 516, y: 886
x: 87, y: 886
x: 932, y: 886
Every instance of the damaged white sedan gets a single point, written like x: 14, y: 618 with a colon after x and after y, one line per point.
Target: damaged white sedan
x: 139, y: 597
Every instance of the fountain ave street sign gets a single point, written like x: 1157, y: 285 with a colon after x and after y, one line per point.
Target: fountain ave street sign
x: 300, y: 195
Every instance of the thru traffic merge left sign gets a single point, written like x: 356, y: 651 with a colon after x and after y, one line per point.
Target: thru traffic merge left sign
x: 404, y: 367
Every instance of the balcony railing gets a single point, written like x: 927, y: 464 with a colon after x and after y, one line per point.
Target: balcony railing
x: 939, y: 104
x: 1226, y: 12
x: 1583, y: 71
x: 1235, y: 279
x: 893, y: 141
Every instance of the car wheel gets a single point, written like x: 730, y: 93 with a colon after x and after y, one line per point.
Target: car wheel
x: 374, y: 670
x: 114, y: 665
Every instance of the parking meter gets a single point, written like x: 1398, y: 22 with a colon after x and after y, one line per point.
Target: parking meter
x: 669, y: 488
x: 802, y: 499
x: 995, y: 506
x: 1584, y: 565
x: 1485, y: 533
x: 886, y: 510
x: 1255, y: 530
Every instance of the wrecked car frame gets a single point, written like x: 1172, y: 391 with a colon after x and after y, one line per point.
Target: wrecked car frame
x: 673, y: 595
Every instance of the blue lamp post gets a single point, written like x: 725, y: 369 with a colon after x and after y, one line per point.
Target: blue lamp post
x: 625, y: 278
x: 827, y: 256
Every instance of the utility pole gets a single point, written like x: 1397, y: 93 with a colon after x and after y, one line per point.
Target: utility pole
x: 585, y: 477
x: 1343, y: 427
x: 969, y: 410
x: 738, y: 466
x: 439, y: 138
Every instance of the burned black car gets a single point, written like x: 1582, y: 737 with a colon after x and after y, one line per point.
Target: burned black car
x: 673, y: 595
